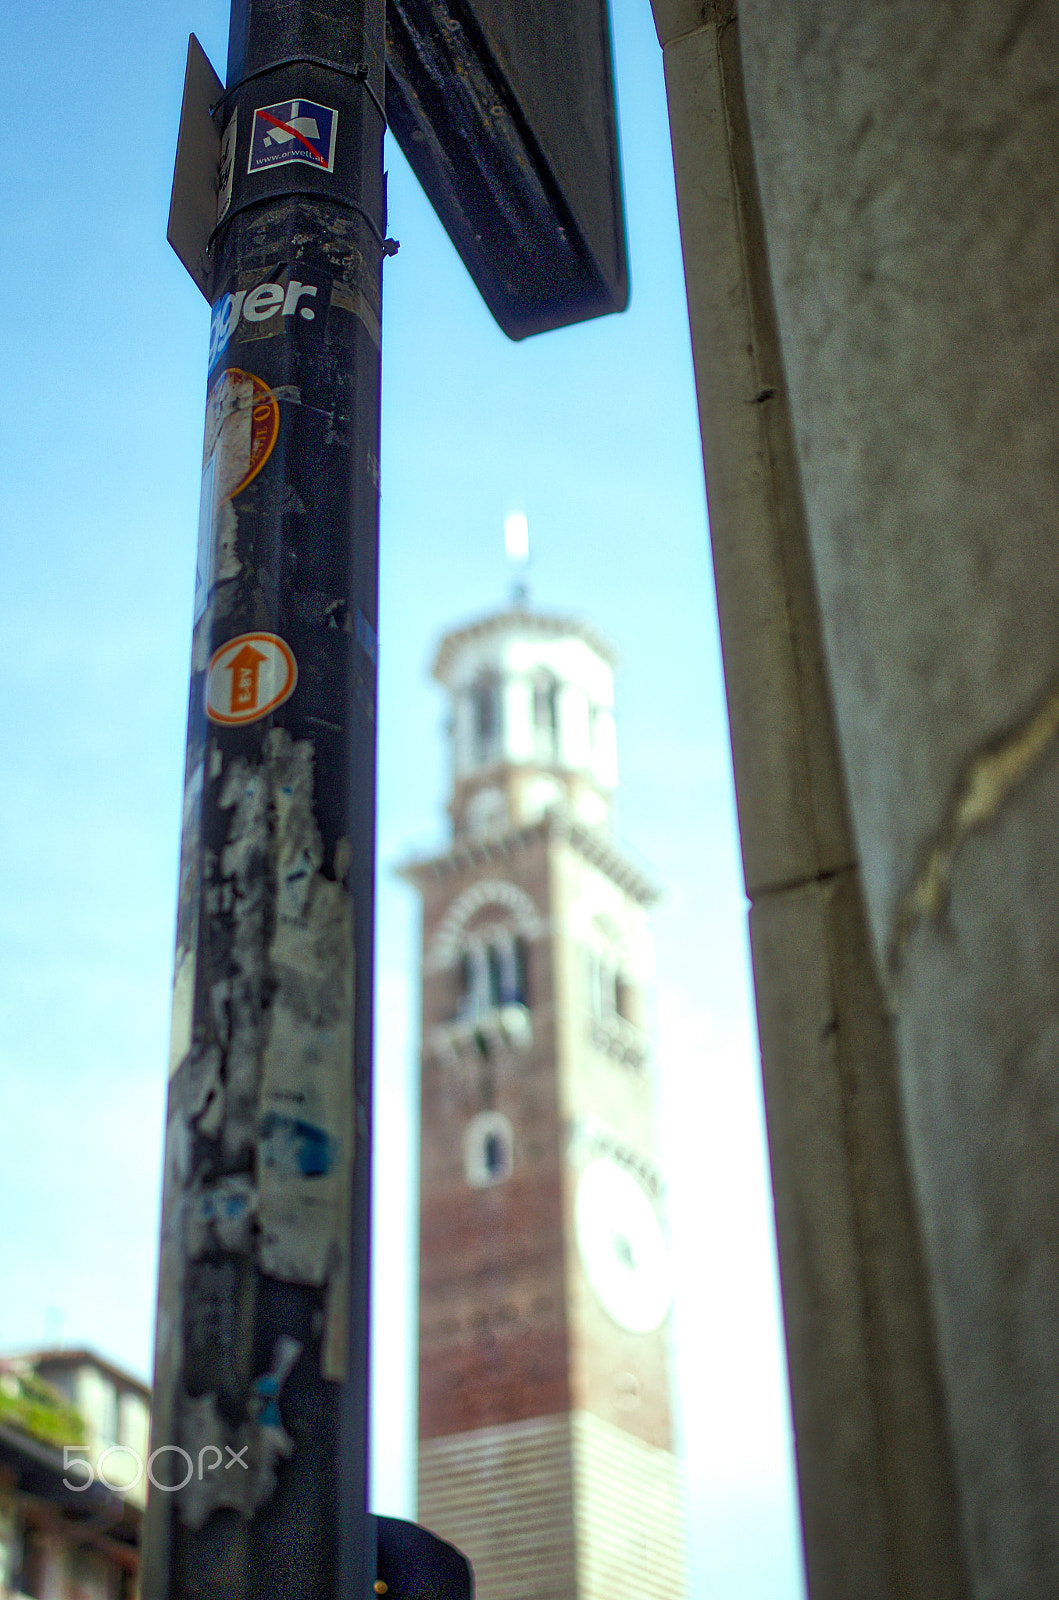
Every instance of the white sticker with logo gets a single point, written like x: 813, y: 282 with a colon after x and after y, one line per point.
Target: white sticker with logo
x: 293, y: 130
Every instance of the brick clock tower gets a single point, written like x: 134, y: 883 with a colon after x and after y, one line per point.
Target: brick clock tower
x: 545, y: 1438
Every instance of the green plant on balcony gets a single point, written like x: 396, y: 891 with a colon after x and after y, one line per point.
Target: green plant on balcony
x: 34, y: 1407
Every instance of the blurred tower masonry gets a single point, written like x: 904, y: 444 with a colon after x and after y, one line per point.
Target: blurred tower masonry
x: 545, y: 1431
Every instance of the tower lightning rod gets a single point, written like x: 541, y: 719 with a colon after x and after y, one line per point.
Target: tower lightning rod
x: 517, y: 550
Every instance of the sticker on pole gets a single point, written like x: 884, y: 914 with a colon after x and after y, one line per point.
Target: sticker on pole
x: 242, y: 426
x: 227, y: 167
x: 293, y: 130
x: 249, y: 677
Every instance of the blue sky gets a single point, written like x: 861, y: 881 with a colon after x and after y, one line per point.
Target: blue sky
x: 591, y: 432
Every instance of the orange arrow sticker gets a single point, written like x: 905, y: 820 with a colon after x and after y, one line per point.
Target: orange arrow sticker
x: 248, y: 677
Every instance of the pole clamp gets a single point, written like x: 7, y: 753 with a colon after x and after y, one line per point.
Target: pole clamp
x: 358, y: 72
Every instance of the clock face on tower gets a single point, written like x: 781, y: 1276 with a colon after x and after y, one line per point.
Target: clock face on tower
x: 623, y: 1247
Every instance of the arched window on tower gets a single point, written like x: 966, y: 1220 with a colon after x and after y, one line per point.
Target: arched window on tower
x: 494, y: 1154
x: 494, y: 974
x: 546, y: 718
x: 491, y: 973
x: 603, y: 986
x: 485, y: 718
x: 519, y: 992
x: 615, y: 996
x: 464, y: 984
x: 488, y: 1149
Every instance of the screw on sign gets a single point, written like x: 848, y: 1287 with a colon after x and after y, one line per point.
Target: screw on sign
x: 248, y: 677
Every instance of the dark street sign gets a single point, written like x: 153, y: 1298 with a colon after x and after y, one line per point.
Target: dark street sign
x: 505, y: 112
x: 193, y: 204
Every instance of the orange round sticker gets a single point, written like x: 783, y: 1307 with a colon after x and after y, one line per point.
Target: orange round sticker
x: 248, y: 677
x: 242, y: 426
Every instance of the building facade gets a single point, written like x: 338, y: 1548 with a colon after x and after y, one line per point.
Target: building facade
x: 73, y: 1453
x: 546, y: 1446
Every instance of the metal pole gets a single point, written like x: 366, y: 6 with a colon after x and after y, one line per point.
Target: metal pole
x: 260, y: 1429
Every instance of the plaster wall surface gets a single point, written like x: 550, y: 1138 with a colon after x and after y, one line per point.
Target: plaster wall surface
x: 906, y: 163
x: 874, y: 1456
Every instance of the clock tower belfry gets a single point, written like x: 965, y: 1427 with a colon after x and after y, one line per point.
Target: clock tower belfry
x: 545, y: 1438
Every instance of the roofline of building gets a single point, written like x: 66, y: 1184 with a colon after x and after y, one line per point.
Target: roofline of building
x: 79, y: 1356
x: 538, y: 622
x: 597, y: 845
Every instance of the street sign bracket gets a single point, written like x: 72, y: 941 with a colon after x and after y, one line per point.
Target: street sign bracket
x: 358, y: 72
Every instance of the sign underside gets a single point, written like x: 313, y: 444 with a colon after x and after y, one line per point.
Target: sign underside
x: 505, y: 112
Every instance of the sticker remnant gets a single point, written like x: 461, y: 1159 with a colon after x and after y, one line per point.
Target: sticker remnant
x: 181, y: 1025
x: 220, y: 1217
x: 242, y: 426
x: 227, y: 167
x: 244, y: 1476
x: 305, y: 1130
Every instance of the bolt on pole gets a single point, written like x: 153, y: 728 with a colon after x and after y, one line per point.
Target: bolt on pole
x: 260, y: 1428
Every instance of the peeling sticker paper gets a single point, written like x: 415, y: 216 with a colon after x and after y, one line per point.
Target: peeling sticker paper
x: 187, y: 919
x: 237, y: 1466
x: 261, y: 1140
x: 242, y: 426
x: 221, y: 1217
x: 305, y: 1127
x: 227, y: 167
x: 239, y: 997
